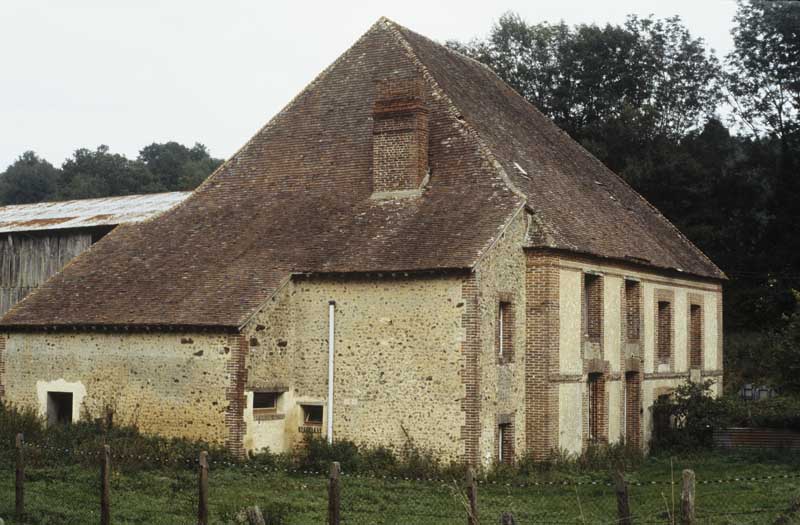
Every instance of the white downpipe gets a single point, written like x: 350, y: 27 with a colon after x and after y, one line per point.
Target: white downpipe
x: 331, y: 323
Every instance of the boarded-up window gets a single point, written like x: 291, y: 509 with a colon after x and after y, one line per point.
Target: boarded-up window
x: 664, y: 331
x: 696, y: 336
x: 592, y: 308
x: 505, y: 329
x: 505, y: 443
x: 596, y: 387
x: 632, y: 409
x: 633, y: 310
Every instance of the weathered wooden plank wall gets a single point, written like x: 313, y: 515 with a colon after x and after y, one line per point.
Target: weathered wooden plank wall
x: 26, y: 260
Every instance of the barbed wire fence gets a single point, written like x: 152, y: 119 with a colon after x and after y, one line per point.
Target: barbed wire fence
x: 338, y: 497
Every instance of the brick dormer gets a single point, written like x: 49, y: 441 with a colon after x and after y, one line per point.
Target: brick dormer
x: 399, y: 138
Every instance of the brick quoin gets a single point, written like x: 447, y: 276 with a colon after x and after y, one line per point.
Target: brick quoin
x: 235, y: 394
x: 2, y: 366
x: 541, y: 353
x: 470, y: 373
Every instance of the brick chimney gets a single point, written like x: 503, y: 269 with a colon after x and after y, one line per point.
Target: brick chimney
x: 399, y: 137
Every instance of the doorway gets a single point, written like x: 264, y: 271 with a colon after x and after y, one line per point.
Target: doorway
x: 59, y: 408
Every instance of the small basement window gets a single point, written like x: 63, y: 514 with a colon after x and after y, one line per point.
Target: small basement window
x: 59, y: 408
x: 265, y: 402
x: 312, y: 415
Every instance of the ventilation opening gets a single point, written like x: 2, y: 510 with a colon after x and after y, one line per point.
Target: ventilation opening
x: 59, y: 408
x: 505, y: 328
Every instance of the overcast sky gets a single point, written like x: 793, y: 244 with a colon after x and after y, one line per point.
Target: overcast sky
x: 129, y: 73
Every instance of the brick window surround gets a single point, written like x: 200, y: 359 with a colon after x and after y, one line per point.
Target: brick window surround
x: 695, y: 336
x: 592, y: 307
x: 633, y: 310
x: 504, y: 330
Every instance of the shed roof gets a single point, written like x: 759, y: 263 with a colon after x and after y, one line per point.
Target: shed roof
x: 86, y: 213
x: 296, y: 198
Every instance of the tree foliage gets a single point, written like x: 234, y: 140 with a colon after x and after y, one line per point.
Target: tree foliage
x: 100, y: 173
x: 645, y: 97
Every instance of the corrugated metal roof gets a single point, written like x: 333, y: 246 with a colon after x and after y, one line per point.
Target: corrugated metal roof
x: 86, y: 213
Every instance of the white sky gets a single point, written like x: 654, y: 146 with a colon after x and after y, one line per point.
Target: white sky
x: 127, y: 73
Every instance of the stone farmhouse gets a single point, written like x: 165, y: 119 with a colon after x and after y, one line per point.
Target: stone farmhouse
x: 408, y: 250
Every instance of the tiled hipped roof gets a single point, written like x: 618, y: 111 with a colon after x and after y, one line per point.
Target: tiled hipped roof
x: 296, y: 198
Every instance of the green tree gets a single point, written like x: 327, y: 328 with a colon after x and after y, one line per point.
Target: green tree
x: 177, y: 167
x: 29, y: 179
x: 99, y: 173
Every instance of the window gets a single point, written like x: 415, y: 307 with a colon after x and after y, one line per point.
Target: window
x: 596, y: 389
x: 632, y: 310
x: 505, y: 330
x: 505, y: 443
x: 664, y: 332
x: 312, y: 415
x: 59, y: 408
x: 592, y: 308
x: 695, y: 336
x: 265, y: 402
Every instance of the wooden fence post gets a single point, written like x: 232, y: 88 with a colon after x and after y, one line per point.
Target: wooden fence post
x: 202, y: 504
x: 254, y: 516
x: 334, y: 494
x: 19, y: 496
x: 507, y: 519
x: 687, y: 498
x: 472, y: 497
x: 623, y: 503
x: 105, y: 489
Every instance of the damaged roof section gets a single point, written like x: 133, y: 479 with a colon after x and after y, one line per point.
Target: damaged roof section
x: 86, y: 213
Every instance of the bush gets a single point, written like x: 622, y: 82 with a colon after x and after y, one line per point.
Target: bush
x: 686, y: 419
x: 83, y: 441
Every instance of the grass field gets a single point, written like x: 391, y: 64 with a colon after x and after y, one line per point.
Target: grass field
x: 69, y: 494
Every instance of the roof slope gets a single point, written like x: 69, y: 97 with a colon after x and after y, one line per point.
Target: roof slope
x: 296, y: 198
x: 86, y: 213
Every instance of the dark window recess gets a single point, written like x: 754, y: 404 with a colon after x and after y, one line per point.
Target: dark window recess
x: 596, y: 391
x: 505, y: 440
x: 59, y: 408
x: 696, y: 336
x: 633, y: 310
x: 264, y: 402
x: 312, y: 414
x: 664, y: 332
x: 592, y: 308
x: 505, y: 330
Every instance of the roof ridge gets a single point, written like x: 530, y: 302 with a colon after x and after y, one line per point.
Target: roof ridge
x: 584, y: 151
x: 455, y: 111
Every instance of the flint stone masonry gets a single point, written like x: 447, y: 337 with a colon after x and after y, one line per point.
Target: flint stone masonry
x: 398, y: 358
x: 150, y: 380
